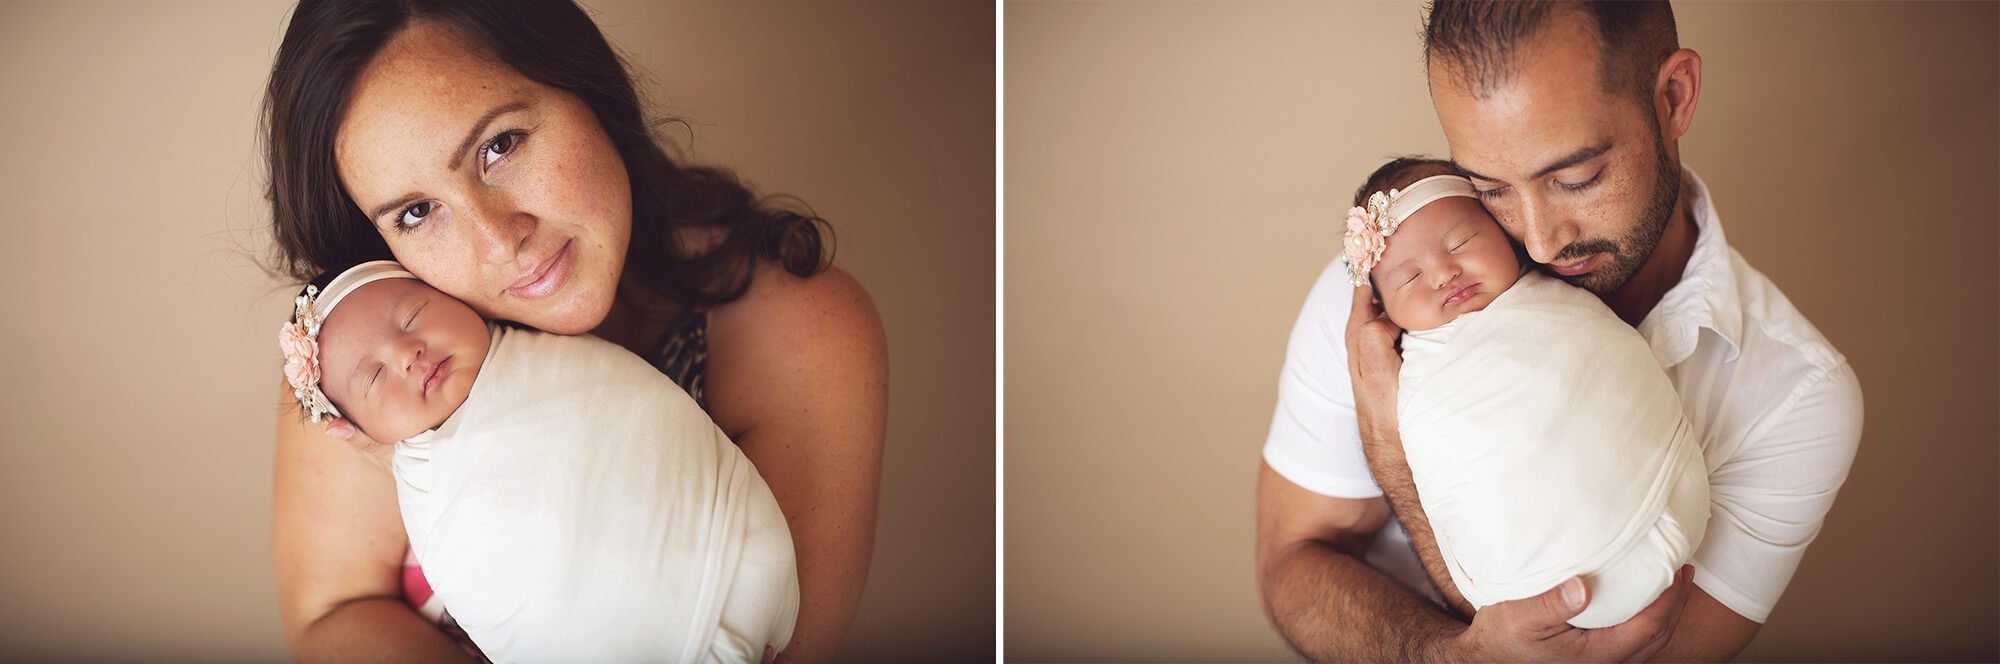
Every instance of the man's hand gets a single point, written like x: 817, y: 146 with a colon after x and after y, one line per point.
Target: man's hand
x: 1373, y: 365
x: 1535, y: 629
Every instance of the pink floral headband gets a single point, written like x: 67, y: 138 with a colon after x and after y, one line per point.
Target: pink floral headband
x: 1369, y: 228
x: 299, y: 337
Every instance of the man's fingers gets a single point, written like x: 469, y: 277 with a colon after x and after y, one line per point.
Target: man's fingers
x: 1548, y: 614
x: 1364, y: 305
x: 1646, y: 632
x: 1677, y: 595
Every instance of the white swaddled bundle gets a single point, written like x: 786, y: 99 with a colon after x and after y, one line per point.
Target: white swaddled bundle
x: 1546, y: 443
x: 580, y: 507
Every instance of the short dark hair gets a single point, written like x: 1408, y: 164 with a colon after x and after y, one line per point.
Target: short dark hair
x: 1482, y: 36
x: 1401, y: 172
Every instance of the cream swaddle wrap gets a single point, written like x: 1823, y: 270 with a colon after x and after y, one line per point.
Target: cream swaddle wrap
x: 1546, y: 443
x: 580, y: 507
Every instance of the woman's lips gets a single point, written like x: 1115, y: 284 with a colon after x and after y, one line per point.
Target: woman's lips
x: 548, y: 276
x: 1462, y: 294
x: 1578, y: 267
x: 437, y: 375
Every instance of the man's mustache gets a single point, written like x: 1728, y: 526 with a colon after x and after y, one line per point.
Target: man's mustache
x: 1584, y: 249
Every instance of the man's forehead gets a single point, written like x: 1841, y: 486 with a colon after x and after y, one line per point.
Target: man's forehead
x: 1520, y: 130
x: 1547, y: 101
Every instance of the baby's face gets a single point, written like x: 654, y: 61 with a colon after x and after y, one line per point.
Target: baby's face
x: 397, y: 357
x: 1447, y: 259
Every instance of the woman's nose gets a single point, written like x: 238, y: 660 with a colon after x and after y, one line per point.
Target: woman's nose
x: 496, y: 230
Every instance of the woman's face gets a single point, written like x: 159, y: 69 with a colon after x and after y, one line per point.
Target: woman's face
x: 500, y: 191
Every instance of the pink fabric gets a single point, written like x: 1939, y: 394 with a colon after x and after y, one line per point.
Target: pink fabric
x: 418, y: 594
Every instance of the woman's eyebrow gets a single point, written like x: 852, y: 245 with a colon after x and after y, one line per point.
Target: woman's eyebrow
x: 457, y: 156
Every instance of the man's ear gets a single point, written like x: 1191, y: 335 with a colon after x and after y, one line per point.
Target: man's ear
x: 1676, y: 90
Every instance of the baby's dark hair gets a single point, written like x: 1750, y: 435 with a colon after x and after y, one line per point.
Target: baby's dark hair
x: 1400, y: 173
x: 319, y: 282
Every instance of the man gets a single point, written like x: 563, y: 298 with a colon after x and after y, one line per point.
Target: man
x: 1567, y: 118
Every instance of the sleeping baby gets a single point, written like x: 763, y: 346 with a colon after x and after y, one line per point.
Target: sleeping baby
x: 566, y: 500
x: 1544, y: 439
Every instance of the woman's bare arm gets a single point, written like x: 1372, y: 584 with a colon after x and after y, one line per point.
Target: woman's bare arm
x: 337, y: 544
x: 798, y: 377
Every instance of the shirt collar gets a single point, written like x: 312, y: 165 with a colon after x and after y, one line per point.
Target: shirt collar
x: 1706, y: 297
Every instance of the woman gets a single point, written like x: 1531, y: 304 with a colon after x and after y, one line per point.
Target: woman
x: 498, y: 151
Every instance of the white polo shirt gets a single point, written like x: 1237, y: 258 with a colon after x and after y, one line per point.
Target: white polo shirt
x: 1777, y: 411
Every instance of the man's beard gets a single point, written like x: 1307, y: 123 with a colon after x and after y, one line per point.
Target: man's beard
x: 1631, y: 251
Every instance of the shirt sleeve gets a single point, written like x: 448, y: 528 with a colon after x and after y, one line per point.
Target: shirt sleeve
x: 1314, y: 441
x: 1769, y: 499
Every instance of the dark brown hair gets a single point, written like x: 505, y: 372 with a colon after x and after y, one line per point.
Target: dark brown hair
x: 1480, y: 37
x: 318, y: 228
x: 1399, y: 173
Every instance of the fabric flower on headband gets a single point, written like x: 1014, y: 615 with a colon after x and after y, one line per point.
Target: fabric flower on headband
x: 1368, y: 231
x: 299, y: 339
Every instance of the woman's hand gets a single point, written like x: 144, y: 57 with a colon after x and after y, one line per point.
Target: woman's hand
x: 337, y: 547
x: 378, y: 453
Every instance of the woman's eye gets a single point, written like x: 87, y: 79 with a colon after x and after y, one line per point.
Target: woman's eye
x: 500, y: 146
x: 1489, y: 194
x: 414, y: 215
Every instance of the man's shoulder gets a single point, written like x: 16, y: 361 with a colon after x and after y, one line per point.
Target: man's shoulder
x: 1773, y: 325
x: 1788, y: 378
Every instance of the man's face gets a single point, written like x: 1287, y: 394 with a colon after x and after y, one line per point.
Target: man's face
x: 1578, y: 174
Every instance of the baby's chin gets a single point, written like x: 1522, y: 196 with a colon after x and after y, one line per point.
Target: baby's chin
x: 1433, y: 320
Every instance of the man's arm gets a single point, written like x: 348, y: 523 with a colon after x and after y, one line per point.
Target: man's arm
x: 1384, y: 450
x: 1326, y: 602
x: 1707, y: 631
x: 1535, y: 628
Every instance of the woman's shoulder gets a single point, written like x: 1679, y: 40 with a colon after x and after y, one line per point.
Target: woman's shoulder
x: 789, y: 336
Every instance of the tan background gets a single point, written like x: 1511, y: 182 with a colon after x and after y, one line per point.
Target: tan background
x: 1174, y: 178
x: 136, y: 418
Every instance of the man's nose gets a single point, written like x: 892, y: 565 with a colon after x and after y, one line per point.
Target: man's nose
x: 1544, y: 232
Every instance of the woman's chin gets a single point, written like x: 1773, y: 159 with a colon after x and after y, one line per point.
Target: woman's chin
x: 583, y: 314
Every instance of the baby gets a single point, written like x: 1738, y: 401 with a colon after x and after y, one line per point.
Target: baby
x: 1544, y: 439
x: 566, y: 500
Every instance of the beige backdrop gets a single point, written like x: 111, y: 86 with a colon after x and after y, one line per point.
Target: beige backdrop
x: 136, y: 418
x: 1174, y: 178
